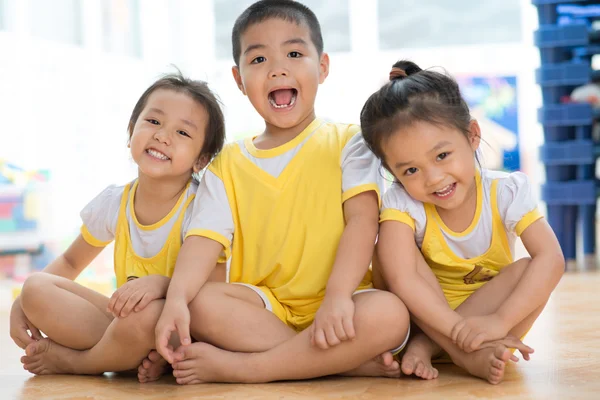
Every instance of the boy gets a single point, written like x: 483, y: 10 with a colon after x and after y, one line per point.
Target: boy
x: 297, y: 208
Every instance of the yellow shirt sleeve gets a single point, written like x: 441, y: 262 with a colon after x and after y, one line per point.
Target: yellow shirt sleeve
x: 90, y: 239
x: 527, y: 220
x: 391, y: 214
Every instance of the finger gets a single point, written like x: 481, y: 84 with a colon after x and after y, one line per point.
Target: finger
x: 332, y: 339
x: 113, y: 299
x: 20, y: 342
x: 455, y: 331
x: 477, y: 341
x: 462, y: 336
x: 120, y: 303
x: 35, y: 332
x: 348, y: 323
x: 467, y: 342
x: 22, y: 339
x: 131, y: 302
x: 163, y: 334
x: 183, y: 330
x: 339, y: 331
x: 320, y: 339
x: 144, y: 301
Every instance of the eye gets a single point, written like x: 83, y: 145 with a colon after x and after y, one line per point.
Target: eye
x: 183, y: 133
x: 410, y: 171
x: 258, y: 60
x: 442, y: 156
x: 294, y: 54
x: 153, y: 121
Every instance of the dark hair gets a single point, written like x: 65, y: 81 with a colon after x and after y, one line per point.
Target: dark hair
x: 199, y: 91
x: 287, y: 10
x: 412, y: 95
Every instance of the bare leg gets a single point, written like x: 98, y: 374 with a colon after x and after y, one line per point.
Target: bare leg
x: 154, y: 365
x: 124, y: 345
x: 68, y: 313
x: 381, y: 322
x: 484, y: 301
x: 233, y: 317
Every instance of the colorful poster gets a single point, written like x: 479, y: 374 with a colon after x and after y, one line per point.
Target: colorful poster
x: 493, y: 102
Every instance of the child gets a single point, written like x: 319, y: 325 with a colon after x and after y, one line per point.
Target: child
x: 175, y: 129
x: 297, y: 207
x: 464, y: 220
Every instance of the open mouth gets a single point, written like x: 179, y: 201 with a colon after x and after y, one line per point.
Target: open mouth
x: 283, y: 98
x: 157, y: 155
x: 445, y: 191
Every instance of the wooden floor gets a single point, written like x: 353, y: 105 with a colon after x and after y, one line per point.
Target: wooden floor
x: 566, y: 365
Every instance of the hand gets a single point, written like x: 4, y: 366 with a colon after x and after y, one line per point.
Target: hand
x: 136, y: 294
x: 512, y: 343
x: 19, y: 325
x: 333, y: 322
x: 175, y: 318
x: 471, y: 332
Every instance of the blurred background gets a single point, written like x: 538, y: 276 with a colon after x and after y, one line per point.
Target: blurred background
x: 72, y: 70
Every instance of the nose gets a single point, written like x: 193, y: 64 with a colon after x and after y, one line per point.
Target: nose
x: 279, y: 70
x: 435, y: 176
x: 162, y: 136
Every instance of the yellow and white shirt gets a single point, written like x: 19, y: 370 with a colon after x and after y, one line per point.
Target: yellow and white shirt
x: 140, y: 250
x: 279, y: 212
x: 464, y: 261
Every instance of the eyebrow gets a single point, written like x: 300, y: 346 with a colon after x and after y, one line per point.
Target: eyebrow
x: 433, y: 150
x: 295, y: 41
x: 185, y: 121
x: 287, y: 42
x: 253, y: 47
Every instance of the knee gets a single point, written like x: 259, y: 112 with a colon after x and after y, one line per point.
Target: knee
x: 389, y: 319
x: 517, y: 269
x: 139, y: 326
x: 205, y: 311
x: 34, y: 292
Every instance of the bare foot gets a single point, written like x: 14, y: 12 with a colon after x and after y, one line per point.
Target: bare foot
x: 201, y: 362
x: 152, y: 367
x: 417, y: 358
x: 489, y: 363
x: 45, y: 357
x: 383, y: 365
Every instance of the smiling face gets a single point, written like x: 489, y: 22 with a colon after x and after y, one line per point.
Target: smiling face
x: 280, y: 71
x: 168, y: 136
x: 434, y: 163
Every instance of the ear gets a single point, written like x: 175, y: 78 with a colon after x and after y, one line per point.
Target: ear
x: 200, y: 163
x: 474, y: 134
x: 323, y: 67
x: 235, y: 70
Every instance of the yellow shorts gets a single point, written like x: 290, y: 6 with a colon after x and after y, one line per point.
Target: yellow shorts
x: 298, y: 321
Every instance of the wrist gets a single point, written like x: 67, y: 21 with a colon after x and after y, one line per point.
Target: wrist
x: 504, y: 318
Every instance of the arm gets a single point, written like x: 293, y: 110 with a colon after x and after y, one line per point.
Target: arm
x: 355, y: 249
x: 397, y: 253
x: 196, y: 260
x: 541, y: 276
x: 334, y: 319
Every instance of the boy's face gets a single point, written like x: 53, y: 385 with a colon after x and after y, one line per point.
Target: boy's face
x: 280, y: 70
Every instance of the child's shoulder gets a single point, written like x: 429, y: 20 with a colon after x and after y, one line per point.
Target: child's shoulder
x: 398, y: 198
x: 506, y: 180
x: 113, y: 192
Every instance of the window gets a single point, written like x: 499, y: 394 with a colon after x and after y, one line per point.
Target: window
x: 442, y: 23
x: 332, y: 15
x: 121, y: 27
x: 58, y: 20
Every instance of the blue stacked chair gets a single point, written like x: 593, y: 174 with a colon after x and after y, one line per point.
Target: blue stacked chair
x: 566, y: 42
